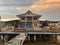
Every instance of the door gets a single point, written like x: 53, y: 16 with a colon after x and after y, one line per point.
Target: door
x: 29, y: 25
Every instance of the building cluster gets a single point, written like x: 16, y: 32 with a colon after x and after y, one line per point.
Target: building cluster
x: 30, y: 21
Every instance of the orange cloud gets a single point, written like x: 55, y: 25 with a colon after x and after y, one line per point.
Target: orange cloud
x: 45, y: 4
x: 18, y: 8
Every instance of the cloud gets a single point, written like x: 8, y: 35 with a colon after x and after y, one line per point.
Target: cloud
x: 27, y: 2
x: 18, y: 8
x: 1, y: 2
x: 45, y: 4
x: 11, y: 2
x: 19, y: 2
x: 5, y: 8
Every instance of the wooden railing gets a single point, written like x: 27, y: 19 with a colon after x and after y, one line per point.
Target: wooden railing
x: 24, y: 30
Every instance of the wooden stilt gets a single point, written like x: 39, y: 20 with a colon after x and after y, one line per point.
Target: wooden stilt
x: 34, y: 37
x: 28, y: 37
x: 55, y: 37
x: 5, y: 39
x: 1, y: 37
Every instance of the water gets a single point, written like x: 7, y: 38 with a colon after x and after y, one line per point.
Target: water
x: 39, y: 42
x: 1, y: 43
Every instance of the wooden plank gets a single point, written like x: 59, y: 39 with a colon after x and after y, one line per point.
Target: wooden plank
x: 36, y: 31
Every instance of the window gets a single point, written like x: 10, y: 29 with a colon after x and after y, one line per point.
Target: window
x: 29, y: 25
x: 23, y: 18
x: 35, y: 24
x: 35, y: 18
x: 29, y: 18
x: 22, y: 25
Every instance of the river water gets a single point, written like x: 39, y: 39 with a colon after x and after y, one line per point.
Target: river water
x: 40, y: 42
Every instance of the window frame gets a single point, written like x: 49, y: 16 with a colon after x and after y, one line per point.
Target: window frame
x: 22, y: 18
x: 35, y: 18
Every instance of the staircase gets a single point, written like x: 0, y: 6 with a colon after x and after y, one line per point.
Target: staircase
x: 18, y: 40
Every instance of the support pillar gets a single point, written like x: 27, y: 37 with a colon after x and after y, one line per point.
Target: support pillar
x: 34, y: 37
x: 25, y: 25
x: 55, y: 37
x: 40, y: 37
x: 5, y: 39
x: 28, y: 37
x: 1, y: 36
x: 14, y: 24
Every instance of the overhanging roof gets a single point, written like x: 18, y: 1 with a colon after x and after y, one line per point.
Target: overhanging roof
x: 29, y: 12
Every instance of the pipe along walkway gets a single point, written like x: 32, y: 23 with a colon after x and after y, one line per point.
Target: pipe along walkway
x: 18, y: 40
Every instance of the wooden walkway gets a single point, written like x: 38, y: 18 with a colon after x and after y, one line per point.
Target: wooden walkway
x: 36, y: 31
x: 50, y: 33
x: 32, y: 32
x: 19, y: 39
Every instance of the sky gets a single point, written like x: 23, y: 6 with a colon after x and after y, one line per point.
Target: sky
x: 49, y: 9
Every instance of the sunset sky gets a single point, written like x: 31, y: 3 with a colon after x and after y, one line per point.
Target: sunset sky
x: 49, y: 9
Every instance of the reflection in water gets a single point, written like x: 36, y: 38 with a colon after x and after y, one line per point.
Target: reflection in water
x: 39, y: 42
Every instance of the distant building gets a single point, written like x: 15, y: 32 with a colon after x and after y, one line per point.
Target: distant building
x: 29, y: 21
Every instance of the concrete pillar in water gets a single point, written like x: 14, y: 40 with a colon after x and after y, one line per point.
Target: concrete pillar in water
x: 55, y: 37
x: 5, y: 39
x: 1, y: 37
x: 28, y: 37
x: 40, y: 36
x: 34, y: 37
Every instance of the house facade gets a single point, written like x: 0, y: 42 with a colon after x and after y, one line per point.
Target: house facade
x: 29, y: 20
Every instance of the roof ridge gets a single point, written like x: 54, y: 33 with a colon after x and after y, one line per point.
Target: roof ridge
x: 28, y: 12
